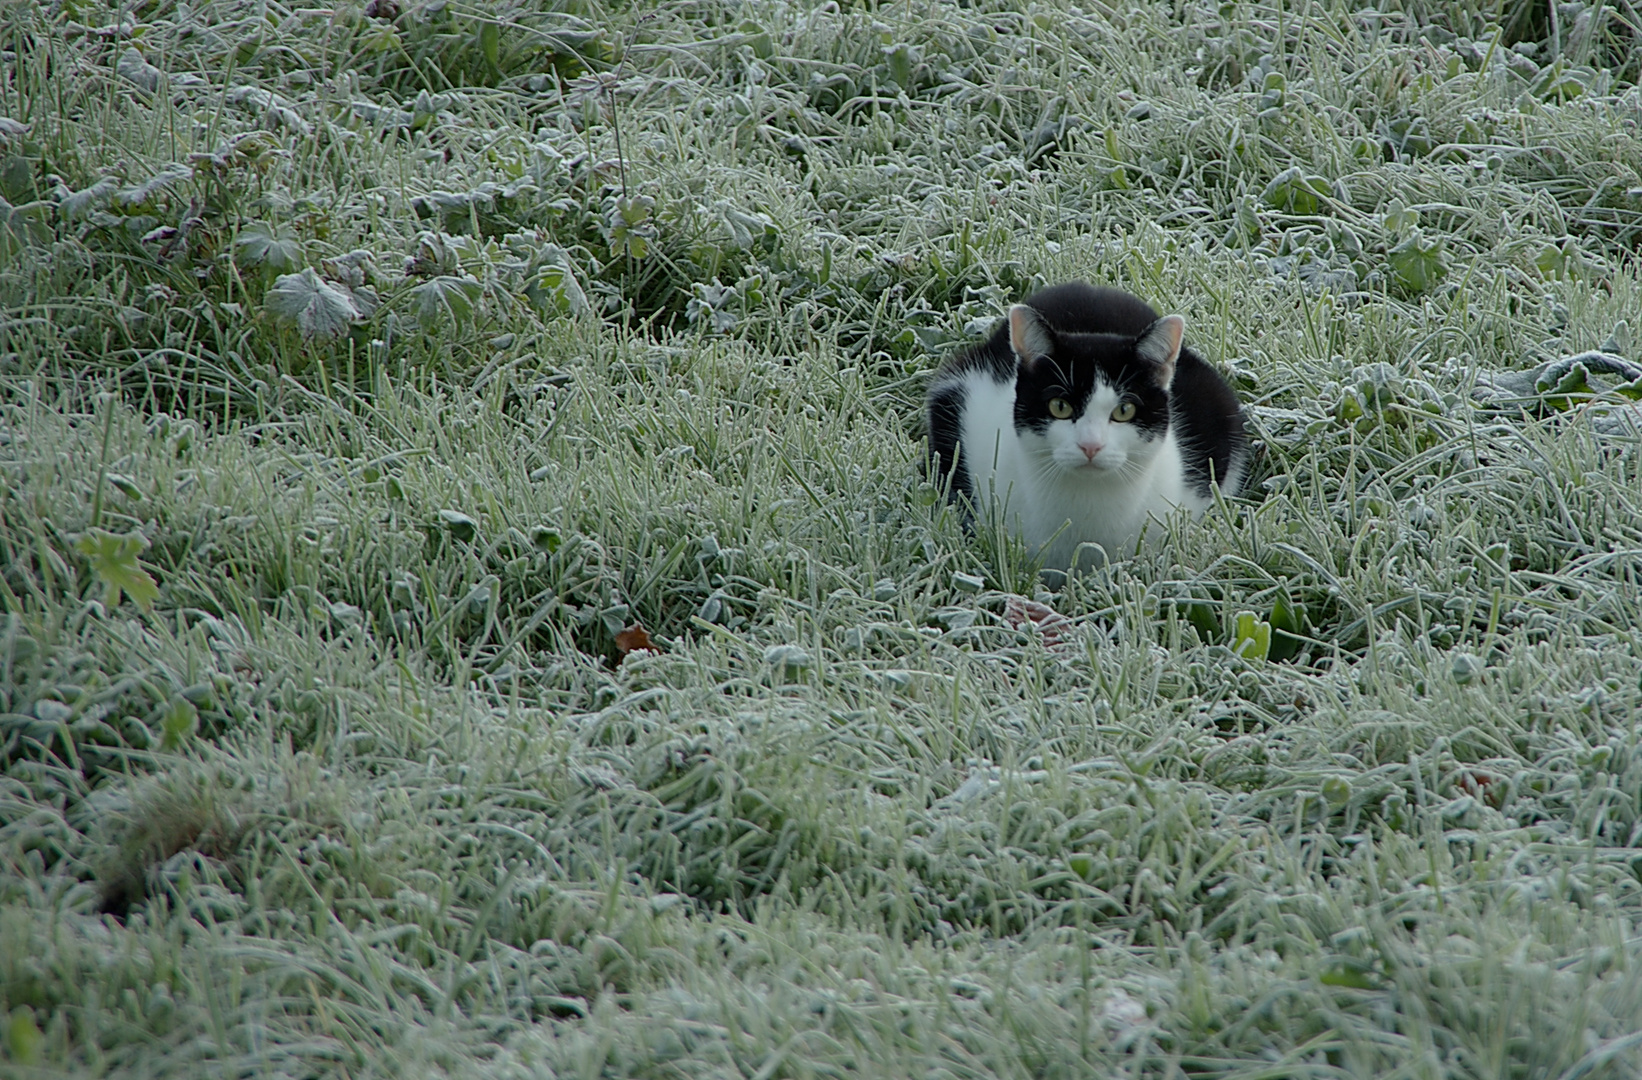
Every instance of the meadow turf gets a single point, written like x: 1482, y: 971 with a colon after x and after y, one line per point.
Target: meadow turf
x: 369, y: 372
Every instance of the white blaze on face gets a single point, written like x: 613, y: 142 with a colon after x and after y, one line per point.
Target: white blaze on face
x: 1093, y: 439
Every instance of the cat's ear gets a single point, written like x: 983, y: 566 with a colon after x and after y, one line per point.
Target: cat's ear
x: 1029, y: 336
x: 1160, y: 346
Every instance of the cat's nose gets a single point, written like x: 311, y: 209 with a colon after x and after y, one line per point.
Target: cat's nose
x: 1090, y: 449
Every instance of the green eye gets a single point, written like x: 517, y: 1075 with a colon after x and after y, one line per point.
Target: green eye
x: 1060, y: 408
x: 1124, y: 413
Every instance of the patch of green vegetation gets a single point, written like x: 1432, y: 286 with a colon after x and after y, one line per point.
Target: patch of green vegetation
x: 472, y: 603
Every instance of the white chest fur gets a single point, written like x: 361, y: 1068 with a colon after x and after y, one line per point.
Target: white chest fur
x: 1055, y: 507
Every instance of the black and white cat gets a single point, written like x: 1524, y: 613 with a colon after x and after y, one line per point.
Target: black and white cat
x: 1082, y: 417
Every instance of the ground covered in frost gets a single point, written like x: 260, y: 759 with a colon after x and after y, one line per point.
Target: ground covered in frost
x: 472, y: 605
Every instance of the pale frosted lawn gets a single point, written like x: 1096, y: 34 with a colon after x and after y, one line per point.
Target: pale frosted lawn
x: 357, y: 390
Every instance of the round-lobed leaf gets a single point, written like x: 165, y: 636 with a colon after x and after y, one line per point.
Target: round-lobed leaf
x: 314, y: 307
x: 459, y: 525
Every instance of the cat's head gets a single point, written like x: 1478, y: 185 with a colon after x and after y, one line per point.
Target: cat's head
x: 1097, y: 402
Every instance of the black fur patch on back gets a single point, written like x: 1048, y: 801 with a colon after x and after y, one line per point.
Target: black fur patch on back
x: 946, y: 404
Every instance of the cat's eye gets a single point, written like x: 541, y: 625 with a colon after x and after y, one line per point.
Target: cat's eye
x: 1060, y: 408
x: 1124, y: 412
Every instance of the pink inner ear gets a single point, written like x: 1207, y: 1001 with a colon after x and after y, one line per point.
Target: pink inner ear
x: 1028, y: 336
x: 1160, y: 344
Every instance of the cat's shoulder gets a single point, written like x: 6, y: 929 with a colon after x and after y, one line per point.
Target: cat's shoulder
x: 992, y: 358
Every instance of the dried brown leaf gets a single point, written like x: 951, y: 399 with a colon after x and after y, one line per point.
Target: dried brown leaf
x: 633, y: 639
x: 1021, y: 613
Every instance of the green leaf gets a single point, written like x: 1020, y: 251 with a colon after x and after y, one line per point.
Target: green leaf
x: 1575, y: 381
x: 1349, y: 973
x: 554, y: 287
x: 1465, y: 668
x: 81, y: 203
x: 1559, y: 262
x: 143, y: 192
x: 1285, y: 615
x: 114, y: 560
x: 1416, y: 264
x: 787, y: 657
x: 1336, y: 791
x: 1350, y: 406
x: 179, y: 722
x: 627, y: 225
x: 314, y: 306
x: 759, y: 38
x: 458, y: 524
x: 1203, y: 617
x: 490, y: 43
x: 445, y: 297
x: 23, y: 1037
x: 126, y: 486
x: 1558, y: 83
x: 1410, y: 136
x: 1251, y: 636
x: 17, y: 180
x: 1287, y: 621
x: 900, y: 59
x: 275, y: 249
x: 635, y: 211
x: 1293, y: 192
x: 1400, y: 219
x: 131, y: 66
x: 711, y: 302
x: 1570, y: 380
x: 746, y: 229
x: 1245, y: 221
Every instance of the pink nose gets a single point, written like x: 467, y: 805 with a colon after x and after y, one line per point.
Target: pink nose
x: 1090, y: 449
